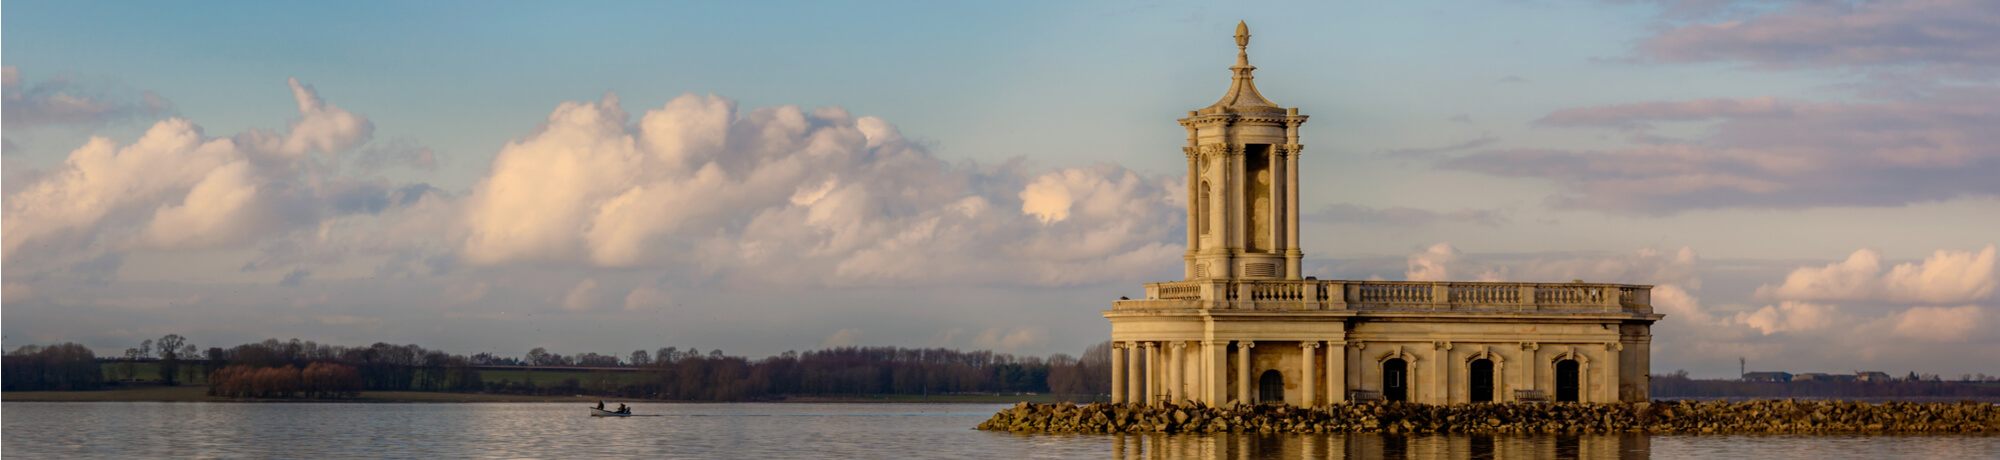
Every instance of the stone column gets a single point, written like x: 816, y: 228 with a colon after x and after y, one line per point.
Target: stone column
x: 1307, y: 368
x: 1293, y: 255
x: 1613, y: 375
x: 1239, y: 206
x: 1151, y: 390
x: 1194, y: 206
x: 1215, y: 376
x: 1243, y: 370
x: 1276, y: 161
x: 1135, y: 390
x: 1440, y: 388
x: 1336, y: 372
x: 1529, y: 366
x: 1117, y: 372
x: 1177, y: 372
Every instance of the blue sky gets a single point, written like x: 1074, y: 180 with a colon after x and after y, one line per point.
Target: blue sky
x: 1662, y: 142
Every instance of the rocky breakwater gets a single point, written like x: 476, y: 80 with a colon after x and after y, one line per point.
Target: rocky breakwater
x: 1775, y: 416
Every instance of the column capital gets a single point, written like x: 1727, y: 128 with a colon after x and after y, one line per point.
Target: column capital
x: 1145, y: 344
x: 1177, y: 344
x: 1531, y: 345
x: 1309, y: 344
x: 1241, y: 344
x: 1614, y: 346
x: 1442, y: 345
x: 1358, y: 345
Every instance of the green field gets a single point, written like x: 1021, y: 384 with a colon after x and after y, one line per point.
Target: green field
x: 547, y: 378
x: 144, y: 372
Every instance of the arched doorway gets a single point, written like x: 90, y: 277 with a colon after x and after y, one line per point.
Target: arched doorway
x: 1396, y: 380
x: 1271, y: 388
x: 1567, y: 380
x: 1482, y: 380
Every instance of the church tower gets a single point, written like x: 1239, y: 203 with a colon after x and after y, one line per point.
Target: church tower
x: 1244, y: 327
x: 1243, y: 181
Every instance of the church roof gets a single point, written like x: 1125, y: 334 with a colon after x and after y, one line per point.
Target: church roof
x: 1242, y: 96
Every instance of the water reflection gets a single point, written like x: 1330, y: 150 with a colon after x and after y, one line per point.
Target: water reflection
x: 336, y: 430
x: 1385, y: 446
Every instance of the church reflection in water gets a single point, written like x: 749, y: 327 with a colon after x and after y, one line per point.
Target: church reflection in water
x: 1369, y: 445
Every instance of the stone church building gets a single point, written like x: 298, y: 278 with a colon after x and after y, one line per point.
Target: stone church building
x: 1244, y: 326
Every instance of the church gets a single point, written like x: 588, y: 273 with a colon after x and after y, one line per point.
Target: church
x: 1243, y: 326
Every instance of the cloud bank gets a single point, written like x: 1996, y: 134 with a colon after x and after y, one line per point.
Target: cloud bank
x: 820, y: 197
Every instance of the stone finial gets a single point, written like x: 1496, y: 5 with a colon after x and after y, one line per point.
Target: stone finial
x: 1242, y: 34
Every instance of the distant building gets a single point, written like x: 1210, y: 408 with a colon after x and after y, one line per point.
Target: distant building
x: 1812, y: 377
x: 1767, y: 377
x: 1243, y: 324
x: 1872, y: 376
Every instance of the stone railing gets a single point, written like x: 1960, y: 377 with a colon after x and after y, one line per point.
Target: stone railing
x: 1391, y: 295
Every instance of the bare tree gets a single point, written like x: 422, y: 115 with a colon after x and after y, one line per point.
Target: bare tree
x: 170, y: 357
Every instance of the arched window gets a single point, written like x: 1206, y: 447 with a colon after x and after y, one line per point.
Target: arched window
x: 1482, y: 380
x: 1271, y: 388
x: 1567, y: 380
x: 1396, y: 380
x: 1201, y: 219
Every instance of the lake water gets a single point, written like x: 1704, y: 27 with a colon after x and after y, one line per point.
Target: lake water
x: 785, y: 430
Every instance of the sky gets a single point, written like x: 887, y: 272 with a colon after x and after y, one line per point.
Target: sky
x: 1810, y: 185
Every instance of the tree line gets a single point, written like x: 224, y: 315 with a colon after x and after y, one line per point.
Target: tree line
x: 275, y: 368
x: 58, y: 367
x: 1678, y: 385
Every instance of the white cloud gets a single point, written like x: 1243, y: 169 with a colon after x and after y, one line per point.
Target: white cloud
x: 1940, y: 324
x: 820, y: 197
x: 175, y: 188
x: 1945, y: 277
x: 1015, y: 339
x: 1444, y: 262
x: 1788, y: 317
x: 643, y: 298
x: 583, y: 297
x: 842, y: 338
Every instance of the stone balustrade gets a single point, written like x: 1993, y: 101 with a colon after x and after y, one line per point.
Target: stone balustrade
x: 1392, y: 295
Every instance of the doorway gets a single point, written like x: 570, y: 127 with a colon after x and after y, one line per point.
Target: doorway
x: 1567, y: 379
x: 1395, y: 380
x: 1482, y: 380
x: 1271, y: 388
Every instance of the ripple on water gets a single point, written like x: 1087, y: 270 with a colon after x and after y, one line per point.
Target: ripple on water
x: 543, y: 430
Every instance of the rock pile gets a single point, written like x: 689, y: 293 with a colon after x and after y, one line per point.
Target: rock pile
x: 1775, y: 416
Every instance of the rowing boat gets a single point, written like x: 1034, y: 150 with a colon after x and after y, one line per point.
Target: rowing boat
x: 595, y: 412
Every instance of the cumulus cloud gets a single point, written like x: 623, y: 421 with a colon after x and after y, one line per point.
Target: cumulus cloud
x: 643, y: 298
x: 67, y: 100
x: 1946, y: 277
x: 821, y: 197
x: 841, y: 338
x: 1445, y: 262
x: 1349, y: 213
x: 583, y: 297
x: 1017, y: 338
x: 1788, y: 317
x: 1767, y: 153
x: 1940, y: 324
x: 321, y: 127
x: 175, y: 188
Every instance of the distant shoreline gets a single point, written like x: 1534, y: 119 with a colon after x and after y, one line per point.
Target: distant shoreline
x: 199, y: 393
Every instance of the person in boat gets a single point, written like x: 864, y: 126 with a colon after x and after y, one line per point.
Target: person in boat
x: 624, y: 410
x: 600, y: 404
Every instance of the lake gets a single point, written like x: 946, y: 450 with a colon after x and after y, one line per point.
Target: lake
x: 794, y: 430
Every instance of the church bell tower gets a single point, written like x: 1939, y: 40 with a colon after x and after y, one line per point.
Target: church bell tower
x: 1243, y: 182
